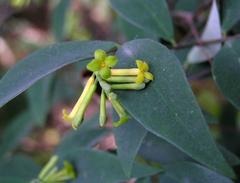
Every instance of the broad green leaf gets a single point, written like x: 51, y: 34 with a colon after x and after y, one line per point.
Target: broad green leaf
x: 193, y: 173
x: 102, y: 167
x: 167, y: 107
x: 18, y: 167
x: 87, y: 135
x: 44, y: 62
x: 59, y: 18
x: 129, y: 137
x: 226, y: 72
x: 152, y: 16
x: 39, y: 99
x: 231, y: 14
x: 14, y: 132
x: 203, y: 53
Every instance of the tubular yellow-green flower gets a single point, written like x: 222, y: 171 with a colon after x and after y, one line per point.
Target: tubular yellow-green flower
x: 76, y: 115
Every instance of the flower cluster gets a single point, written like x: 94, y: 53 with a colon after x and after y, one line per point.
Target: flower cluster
x: 51, y: 173
x: 109, y: 79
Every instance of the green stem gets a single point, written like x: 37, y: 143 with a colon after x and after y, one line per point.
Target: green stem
x: 103, y: 113
x: 123, y: 117
x: 131, y: 86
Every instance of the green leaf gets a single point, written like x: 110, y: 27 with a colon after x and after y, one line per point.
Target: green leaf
x: 187, y: 5
x: 167, y: 107
x: 130, y: 31
x: 231, y: 14
x: 12, y: 180
x: 102, y: 167
x: 58, y: 19
x: 39, y: 99
x: 19, y: 167
x: 226, y: 72
x: 18, y: 128
x: 193, y: 173
x: 152, y: 16
x: 44, y: 62
x: 156, y: 149
x: 231, y: 158
x: 129, y: 137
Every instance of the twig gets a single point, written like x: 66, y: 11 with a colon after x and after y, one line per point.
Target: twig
x: 204, y: 43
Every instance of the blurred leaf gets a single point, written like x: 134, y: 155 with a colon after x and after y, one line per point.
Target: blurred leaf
x: 226, y: 72
x: 132, y: 32
x: 59, y: 18
x: 167, y: 107
x: 187, y: 5
x: 193, y: 173
x: 231, y: 14
x: 44, y: 62
x: 39, y: 99
x: 102, y: 167
x: 12, y: 180
x: 211, y: 31
x: 129, y: 137
x: 152, y: 16
x: 86, y: 136
x: 18, y: 167
x: 14, y: 132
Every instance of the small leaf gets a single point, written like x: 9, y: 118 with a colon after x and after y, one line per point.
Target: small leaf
x: 44, y: 62
x: 167, y: 107
x: 226, y: 72
x: 193, y: 173
x: 231, y: 14
x: 211, y: 31
x: 129, y: 137
x: 152, y: 16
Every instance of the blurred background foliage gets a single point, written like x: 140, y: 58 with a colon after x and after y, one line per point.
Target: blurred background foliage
x: 31, y: 125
